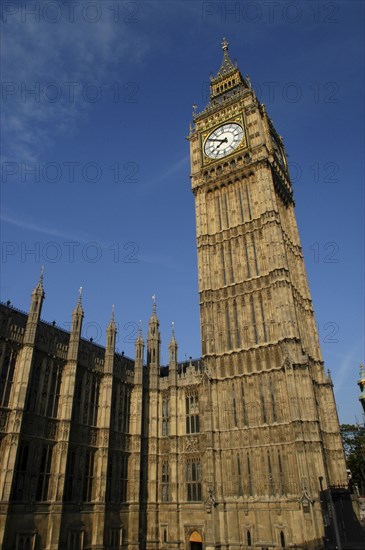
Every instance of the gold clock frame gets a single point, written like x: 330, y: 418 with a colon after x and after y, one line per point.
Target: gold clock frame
x: 206, y: 133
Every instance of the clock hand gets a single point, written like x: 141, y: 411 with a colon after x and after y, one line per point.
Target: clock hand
x: 212, y: 139
x: 225, y: 140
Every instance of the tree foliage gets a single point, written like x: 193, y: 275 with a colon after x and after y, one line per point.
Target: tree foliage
x: 353, y: 437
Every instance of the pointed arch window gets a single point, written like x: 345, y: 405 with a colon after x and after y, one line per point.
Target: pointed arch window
x: 192, y: 413
x: 6, y: 378
x: 165, y: 416
x: 193, y: 479
x: 165, y: 479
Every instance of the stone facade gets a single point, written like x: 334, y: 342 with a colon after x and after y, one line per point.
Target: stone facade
x: 230, y: 451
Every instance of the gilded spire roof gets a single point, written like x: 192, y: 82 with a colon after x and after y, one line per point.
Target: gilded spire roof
x: 227, y: 65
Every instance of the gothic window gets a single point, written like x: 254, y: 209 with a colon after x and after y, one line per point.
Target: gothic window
x: 240, y: 202
x: 192, y: 413
x: 231, y: 260
x: 250, y: 489
x: 71, y: 484
x: 256, y: 338
x: 225, y: 209
x: 255, y: 256
x: 282, y: 539
x: 165, y: 477
x: 165, y: 416
x: 193, y: 479
x: 94, y: 400
x: 21, y: 471
x: 248, y: 202
x: 46, y: 377
x: 120, y: 415
x: 115, y: 542
x: 223, y: 264
x: 281, y: 474
x: 263, y: 318
x: 88, y: 476
x: 244, y: 412
x: 249, y: 541
x: 109, y: 479
x: 234, y: 405
x: 228, y: 327
x: 34, y: 388
x: 6, y: 378
x: 25, y: 541
x: 238, y: 337
x: 44, y: 473
x: 274, y: 418
x: 219, y: 217
x: 123, y: 477
x: 77, y: 398
x: 263, y: 406
x: 122, y: 410
x: 75, y: 540
x: 239, y: 477
x: 271, y: 482
x: 247, y: 261
x: 54, y: 391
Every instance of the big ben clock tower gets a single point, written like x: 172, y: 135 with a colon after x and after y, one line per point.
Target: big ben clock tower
x: 272, y: 415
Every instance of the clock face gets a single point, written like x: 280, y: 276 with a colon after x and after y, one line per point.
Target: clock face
x: 223, y: 140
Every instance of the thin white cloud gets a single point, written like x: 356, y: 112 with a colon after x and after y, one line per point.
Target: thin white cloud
x: 58, y: 57
x: 168, y: 173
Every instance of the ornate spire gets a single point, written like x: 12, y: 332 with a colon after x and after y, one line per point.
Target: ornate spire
x: 139, y: 338
x: 227, y: 64
x: 80, y: 294
x: 39, y: 288
x: 78, y: 308
x: 111, y: 325
x: 40, y: 282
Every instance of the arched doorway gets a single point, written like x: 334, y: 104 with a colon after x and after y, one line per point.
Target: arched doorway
x: 196, y: 541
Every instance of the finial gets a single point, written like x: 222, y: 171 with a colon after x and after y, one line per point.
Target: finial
x: 173, y: 329
x: 40, y: 281
x: 80, y: 294
x: 113, y: 312
x: 224, y: 45
x: 140, y: 328
x: 154, y: 303
x: 195, y: 107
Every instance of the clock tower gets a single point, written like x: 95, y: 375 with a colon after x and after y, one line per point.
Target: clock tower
x: 272, y: 414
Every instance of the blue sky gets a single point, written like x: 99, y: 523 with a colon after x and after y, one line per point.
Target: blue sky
x: 95, y: 165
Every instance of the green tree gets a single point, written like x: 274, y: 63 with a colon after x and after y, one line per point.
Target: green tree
x: 353, y: 437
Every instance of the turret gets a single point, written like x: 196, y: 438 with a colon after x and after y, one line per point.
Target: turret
x: 153, y: 339
x: 138, y: 366
x: 34, y: 311
x: 111, y: 333
x: 173, y: 356
x: 153, y: 349
x: 77, y: 317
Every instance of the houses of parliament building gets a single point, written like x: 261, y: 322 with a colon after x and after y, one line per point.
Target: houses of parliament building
x: 234, y: 451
